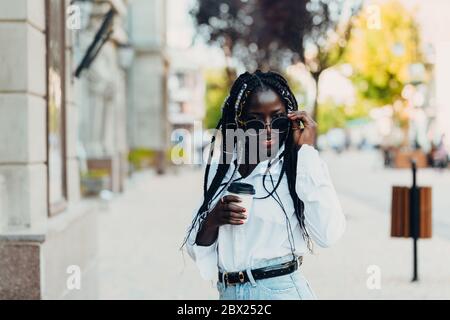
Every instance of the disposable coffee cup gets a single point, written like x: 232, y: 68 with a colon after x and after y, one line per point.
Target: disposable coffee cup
x: 245, y: 192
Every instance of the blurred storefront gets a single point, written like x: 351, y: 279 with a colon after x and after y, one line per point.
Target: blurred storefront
x: 186, y: 102
x: 74, y: 98
x: 102, y: 93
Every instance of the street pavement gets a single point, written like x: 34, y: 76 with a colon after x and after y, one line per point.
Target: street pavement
x: 142, y: 230
x: 361, y: 176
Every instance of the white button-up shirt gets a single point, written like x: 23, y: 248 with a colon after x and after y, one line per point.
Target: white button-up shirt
x: 264, y: 234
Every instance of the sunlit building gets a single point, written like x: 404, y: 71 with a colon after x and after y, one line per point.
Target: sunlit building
x: 74, y: 98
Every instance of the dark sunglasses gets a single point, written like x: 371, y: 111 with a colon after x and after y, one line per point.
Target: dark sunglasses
x: 280, y: 124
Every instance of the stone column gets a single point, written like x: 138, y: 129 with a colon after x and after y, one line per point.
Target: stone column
x: 23, y: 172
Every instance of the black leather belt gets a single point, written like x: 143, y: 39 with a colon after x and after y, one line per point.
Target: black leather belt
x: 232, y: 278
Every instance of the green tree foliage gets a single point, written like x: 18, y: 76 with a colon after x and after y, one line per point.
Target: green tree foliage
x: 332, y: 115
x: 216, y: 92
x: 383, y: 46
x: 268, y: 34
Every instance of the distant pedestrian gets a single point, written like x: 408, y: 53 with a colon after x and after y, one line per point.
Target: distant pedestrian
x: 440, y: 155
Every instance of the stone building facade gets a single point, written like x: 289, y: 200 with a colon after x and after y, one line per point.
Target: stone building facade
x: 148, y: 93
x: 55, y: 126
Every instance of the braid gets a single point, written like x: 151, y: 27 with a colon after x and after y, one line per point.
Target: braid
x: 291, y: 176
x: 238, y: 100
x: 291, y: 157
x: 228, y: 117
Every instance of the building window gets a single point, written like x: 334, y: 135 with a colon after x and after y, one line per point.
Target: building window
x: 57, y: 190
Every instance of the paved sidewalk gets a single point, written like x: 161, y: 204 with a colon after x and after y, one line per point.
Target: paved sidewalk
x: 141, y: 232
x: 341, y: 272
x: 140, y: 236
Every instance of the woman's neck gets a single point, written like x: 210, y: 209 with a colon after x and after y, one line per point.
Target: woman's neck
x: 245, y: 169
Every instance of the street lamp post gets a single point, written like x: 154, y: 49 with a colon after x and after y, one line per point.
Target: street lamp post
x: 414, y: 198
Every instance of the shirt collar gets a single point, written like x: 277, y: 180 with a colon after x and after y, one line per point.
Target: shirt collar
x: 262, y: 167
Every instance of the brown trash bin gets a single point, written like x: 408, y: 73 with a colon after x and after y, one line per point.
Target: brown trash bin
x: 401, y: 214
x: 425, y: 230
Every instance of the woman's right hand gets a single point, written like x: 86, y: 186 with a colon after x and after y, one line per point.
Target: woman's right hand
x: 227, y: 211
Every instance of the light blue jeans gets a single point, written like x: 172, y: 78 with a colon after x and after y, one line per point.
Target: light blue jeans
x: 293, y: 286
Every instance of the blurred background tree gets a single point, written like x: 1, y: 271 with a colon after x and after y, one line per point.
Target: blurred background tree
x: 382, y: 54
x: 329, y: 30
x: 339, y: 115
x: 216, y: 92
x: 269, y: 34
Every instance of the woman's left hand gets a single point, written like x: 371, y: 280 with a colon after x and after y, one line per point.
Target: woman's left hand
x: 306, y: 135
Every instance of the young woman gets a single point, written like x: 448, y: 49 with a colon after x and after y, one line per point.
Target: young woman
x: 257, y: 254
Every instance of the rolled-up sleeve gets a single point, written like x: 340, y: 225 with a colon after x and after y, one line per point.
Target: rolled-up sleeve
x: 205, y: 257
x: 324, y: 218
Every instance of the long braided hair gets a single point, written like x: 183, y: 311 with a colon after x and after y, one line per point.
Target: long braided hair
x: 237, y: 101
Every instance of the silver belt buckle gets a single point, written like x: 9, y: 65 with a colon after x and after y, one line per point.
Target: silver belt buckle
x: 241, y: 278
